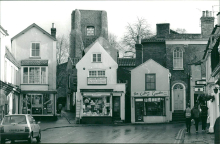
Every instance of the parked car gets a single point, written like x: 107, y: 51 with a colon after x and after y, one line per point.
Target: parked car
x: 19, y: 127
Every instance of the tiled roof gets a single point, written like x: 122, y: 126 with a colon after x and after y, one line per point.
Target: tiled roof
x: 34, y: 62
x: 184, y: 36
x: 6, y: 33
x: 153, y: 39
x: 36, y: 26
x: 11, y: 58
x: 126, y: 61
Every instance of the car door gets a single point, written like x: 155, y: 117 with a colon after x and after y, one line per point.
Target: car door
x: 36, y: 128
x: 32, y: 125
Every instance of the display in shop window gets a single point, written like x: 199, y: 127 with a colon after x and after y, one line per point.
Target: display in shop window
x: 96, y: 106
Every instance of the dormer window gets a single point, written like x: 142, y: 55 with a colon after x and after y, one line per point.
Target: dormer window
x: 96, y: 57
x: 90, y: 31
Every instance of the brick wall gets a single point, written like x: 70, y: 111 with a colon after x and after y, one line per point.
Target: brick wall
x: 155, y: 51
x: 61, y: 80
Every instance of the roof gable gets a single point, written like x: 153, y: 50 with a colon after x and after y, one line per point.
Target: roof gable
x: 149, y: 61
x: 96, y: 47
x: 31, y: 26
x: 4, y: 31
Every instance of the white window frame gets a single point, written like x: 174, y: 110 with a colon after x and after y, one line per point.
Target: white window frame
x: 31, y: 55
x: 40, y: 76
x: 89, y: 33
x: 178, y: 60
x: 97, y: 73
x: 96, y: 59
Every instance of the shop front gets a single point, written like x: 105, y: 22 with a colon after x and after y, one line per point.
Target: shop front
x: 150, y: 107
x: 38, y: 103
x: 101, y: 106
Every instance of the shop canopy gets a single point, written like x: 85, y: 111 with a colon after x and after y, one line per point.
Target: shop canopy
x: 39, y: 92
x: 8, y: 88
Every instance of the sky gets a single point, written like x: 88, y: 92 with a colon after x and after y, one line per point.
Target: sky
x: 15, y: 16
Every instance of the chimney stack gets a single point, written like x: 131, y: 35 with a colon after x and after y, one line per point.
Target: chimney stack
x: 207, y: 23
x: 53, y: 30
x: 139, y: 52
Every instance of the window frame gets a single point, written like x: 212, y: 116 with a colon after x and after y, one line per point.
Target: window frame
x: 96, y: 73
x: 154, y: 74
x: 31, y: 54
x: 87, y: 30
x: 40, y: 74
x: 177, y: 59
x: 96, y: 57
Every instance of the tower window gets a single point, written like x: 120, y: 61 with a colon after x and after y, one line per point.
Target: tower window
x: 90, y: 31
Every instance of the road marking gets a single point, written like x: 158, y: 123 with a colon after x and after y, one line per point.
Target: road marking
x: 179, y: 136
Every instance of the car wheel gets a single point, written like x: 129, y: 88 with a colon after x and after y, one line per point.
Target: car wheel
x: 30, y: 139
x: 2, y: 141
x: 38, y: 137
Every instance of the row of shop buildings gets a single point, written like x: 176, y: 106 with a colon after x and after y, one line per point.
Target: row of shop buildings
x: 28, y: 72
x: 155, y: 86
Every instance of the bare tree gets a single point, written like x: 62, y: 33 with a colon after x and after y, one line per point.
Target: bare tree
x: 140, y: 28
x: 62, y: 49
x: 181, y: 30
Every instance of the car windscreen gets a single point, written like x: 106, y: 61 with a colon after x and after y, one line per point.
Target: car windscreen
x: 19, y: 119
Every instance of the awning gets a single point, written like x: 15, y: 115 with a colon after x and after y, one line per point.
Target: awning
x: 39, y: 92
x: 96, y: 94
x: 8, y: 88
x: 96, y: 90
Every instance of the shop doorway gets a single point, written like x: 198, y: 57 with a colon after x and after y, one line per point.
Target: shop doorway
x: 116, y: 107
x: 139, y: 110
x: 178, y: 95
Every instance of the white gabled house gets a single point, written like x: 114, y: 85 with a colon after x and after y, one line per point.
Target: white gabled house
x: 99, y: 99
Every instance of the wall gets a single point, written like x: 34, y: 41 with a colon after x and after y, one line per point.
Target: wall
x: 22, y: 44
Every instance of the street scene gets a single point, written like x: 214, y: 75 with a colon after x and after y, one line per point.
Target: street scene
x: 110, y: 71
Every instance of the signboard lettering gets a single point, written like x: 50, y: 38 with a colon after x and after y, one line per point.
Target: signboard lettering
x: 97, y: 81
x: 150, y: 93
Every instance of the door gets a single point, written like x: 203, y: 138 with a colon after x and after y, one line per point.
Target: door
x: 139, y: 110
x: 116, y: 107
x: 178, y: 99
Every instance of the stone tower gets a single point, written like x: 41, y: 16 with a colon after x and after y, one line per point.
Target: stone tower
x: 86, y: 27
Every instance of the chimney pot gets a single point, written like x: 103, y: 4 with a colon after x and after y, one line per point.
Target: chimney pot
x: 203, y: 13
x: 53, y: 25
x: 53, y: 30
x: 210, y: 13
x: 207, y: 13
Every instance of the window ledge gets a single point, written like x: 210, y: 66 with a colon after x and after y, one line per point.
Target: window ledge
x: 34, y: 84
x: 178, y: 68
x: 34, y: 57
x: 96, y: 62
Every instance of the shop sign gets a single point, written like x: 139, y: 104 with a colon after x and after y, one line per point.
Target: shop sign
x: 97, y: 81
x: 199, y: 89
x: 200, y: 82
x: 150, y: 93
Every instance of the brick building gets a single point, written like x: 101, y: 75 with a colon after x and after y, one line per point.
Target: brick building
x: 176, y: 52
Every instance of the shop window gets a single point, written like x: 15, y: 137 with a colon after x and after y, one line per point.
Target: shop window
x: 150, y: 80
x: 96, y: 58
x: 96, y: 73
x: 177, y: 58
x: 96, y: 106
x: 154, y: 106
x: 37, y: 104
x: 35, y: 49
x: 90, y: 31
x: 34, y: 75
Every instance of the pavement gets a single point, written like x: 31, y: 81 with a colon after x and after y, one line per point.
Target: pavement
x: 200, y: 137
x: 65, y: 119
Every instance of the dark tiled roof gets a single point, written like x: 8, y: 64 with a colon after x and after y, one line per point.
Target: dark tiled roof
x: 153, y: 39
x: 173, y: 32
x: 6, y: 33
x: 184, y: 36
x: 11, y: 58
x: 34, y: 62
x: 36, y: 26
x: 126, y: 61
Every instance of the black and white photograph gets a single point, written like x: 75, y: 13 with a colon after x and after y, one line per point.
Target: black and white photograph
x: 102, y: 71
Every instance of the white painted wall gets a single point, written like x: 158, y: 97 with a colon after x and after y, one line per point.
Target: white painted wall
x: 162, y: 84
x: 22, y: 48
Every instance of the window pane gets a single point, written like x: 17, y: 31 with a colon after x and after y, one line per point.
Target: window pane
x: 99, y: 57
x: 33, y: 52
x: 25, y: 75
x: 43, y: 75
x: 37, y: 75
x: 90, y: 31
x: 94, y: 57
